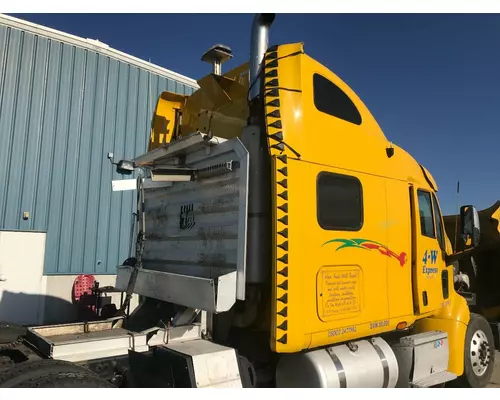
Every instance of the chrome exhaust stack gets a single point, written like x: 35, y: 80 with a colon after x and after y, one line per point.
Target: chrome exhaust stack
x: 253, y: 137
x: 259, y: 44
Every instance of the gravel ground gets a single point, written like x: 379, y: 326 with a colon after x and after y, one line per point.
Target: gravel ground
x: 495, y: 378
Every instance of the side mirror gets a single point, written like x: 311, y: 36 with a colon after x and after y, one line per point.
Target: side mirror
x: 125, y: 167
x: 470, y: 230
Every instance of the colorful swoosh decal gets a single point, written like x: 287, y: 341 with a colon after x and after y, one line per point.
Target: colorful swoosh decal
x: 366, y: 244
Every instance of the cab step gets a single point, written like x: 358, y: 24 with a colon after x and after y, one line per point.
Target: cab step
x: 423, y: 359
x: 435, y: 380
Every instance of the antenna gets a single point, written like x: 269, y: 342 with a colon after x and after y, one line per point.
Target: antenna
x: 456, y: 216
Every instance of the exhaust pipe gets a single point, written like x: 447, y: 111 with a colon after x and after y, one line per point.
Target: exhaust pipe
x: 254, y: 139
x: 258, y: 47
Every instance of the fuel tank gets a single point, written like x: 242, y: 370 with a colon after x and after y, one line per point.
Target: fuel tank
x: 362, y: 364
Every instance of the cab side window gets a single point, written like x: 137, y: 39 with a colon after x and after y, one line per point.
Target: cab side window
x: 426, y: 216
x: 438, y: 221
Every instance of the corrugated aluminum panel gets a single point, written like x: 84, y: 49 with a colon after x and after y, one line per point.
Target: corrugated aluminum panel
x: 62, y: 109
x: 198, y: 227
x: 196, y: 231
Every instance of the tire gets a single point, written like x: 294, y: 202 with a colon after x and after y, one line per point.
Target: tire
x: 49, y: 374
x: 479, y: 348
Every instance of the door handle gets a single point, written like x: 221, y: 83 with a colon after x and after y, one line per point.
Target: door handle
x: 2, y: 278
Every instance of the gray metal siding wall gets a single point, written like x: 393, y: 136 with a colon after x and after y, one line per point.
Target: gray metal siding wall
x: 62, y: 109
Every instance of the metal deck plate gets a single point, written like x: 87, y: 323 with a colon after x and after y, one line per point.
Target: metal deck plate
x: 58, y: 340
x: 85, y: 341
x: 435, y: 379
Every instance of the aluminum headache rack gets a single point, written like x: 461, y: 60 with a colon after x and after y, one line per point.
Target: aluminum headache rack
x: 195, y: 207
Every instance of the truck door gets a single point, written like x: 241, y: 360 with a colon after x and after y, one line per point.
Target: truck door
x: 428, y: 255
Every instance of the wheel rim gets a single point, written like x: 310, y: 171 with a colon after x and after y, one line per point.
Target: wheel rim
x: 480, y: 353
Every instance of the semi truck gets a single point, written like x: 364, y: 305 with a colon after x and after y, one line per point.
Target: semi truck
x: 281, y: 241
x: 476, y: 275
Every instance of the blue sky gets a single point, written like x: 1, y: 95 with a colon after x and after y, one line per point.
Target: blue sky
x: 431, y: 81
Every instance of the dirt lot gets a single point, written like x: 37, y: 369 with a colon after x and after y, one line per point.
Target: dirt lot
x: 495, y: 378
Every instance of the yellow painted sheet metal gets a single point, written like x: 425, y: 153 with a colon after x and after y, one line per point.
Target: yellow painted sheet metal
x: 360, y: 280
x: 162, y: 126
x: 220, y: 105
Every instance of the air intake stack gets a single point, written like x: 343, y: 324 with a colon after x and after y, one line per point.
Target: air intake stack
x: 217, y: 55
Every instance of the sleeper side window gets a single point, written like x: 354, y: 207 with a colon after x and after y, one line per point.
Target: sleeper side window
x: 339, y: 202
x: 426, y: 216
x: 330, y: 99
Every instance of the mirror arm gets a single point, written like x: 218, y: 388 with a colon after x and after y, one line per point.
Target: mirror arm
x: 449, y: 259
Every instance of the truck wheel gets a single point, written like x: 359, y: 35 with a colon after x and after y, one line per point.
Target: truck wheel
x: 479, y: 357
x: 47, y: 373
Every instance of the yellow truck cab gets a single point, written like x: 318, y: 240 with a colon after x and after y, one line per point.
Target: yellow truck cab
x: 344, y: 227
x: 356, y: 245
x: 284, y: 240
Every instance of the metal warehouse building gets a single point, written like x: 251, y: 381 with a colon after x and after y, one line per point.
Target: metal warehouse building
x: 65, y: 103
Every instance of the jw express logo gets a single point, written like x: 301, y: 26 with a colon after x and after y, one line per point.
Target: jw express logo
x: 429, y: 259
